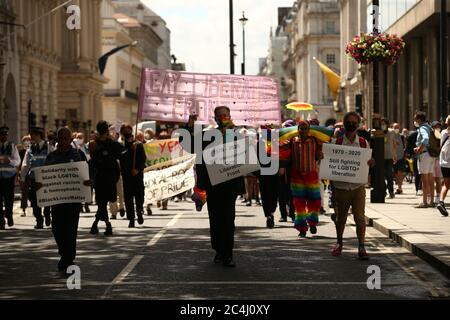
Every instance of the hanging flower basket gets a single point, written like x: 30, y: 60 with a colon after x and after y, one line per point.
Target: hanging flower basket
x: 368, y: 48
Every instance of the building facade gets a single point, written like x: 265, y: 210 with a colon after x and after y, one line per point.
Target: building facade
x: 413, y: 82
x: 120, y: 100
x: 313, y: 31
x: 273, y: 63
x: 9, y: 70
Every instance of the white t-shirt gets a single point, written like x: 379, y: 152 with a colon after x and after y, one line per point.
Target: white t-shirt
x: 444, y: 158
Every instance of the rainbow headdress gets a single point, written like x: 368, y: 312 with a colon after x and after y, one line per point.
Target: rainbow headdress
x: 321, y: 133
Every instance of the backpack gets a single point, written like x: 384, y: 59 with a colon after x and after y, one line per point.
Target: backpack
x: 434, y: 149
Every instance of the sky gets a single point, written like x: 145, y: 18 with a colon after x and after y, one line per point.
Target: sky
x: 200, y: 31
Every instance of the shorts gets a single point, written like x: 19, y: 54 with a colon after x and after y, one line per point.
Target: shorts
x: 445, y: 172
x: 400, y: 166
x: 426, y: 163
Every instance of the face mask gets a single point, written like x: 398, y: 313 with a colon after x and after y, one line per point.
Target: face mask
x: 416, y: 124
x: 350, y: 127
x: 397, y: 131
x: 224, y: 122
x: 78, y: 142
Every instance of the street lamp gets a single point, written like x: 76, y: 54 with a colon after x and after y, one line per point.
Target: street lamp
x: 377, y: 183
x: 243, y: 20
x: 232, y: 54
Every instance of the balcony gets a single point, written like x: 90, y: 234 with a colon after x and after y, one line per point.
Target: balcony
x: 322, y: 7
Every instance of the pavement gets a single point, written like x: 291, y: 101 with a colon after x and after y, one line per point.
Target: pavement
x: 424, y: 232
x: 169, y: 258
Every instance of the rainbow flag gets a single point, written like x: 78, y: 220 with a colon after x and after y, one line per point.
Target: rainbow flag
x: 323, y: 134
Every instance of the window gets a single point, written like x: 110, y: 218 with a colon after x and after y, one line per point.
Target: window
x: 330, y: 27
x: 331, y: 58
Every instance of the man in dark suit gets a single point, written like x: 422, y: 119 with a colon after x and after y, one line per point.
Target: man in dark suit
x: 221, y: 198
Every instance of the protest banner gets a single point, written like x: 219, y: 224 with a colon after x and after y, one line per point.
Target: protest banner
x: 345, y: 164
x: 159, y: 151
x: 168, y: 182
x: 173, y: 96
x: 230, y: 161
x: 63, y: 183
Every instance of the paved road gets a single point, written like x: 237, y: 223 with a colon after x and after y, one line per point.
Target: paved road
x: 169, y: 257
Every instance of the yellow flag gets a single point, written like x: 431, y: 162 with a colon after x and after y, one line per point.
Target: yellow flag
x: 334, y: 80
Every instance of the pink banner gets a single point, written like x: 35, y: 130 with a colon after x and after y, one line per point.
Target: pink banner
x: 172, y: 96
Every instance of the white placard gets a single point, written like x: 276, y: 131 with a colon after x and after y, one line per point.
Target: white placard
x: 230, y: 161
x: 345, y: 164
x: 63, y: 183
x: 168, y: 182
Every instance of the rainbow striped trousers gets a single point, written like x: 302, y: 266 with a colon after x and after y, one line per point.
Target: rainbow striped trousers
x: 305, y: 188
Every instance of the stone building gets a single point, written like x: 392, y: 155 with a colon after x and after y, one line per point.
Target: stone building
x: 313, y: 31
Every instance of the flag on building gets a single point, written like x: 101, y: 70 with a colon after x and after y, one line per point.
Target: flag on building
x: 332, y: 77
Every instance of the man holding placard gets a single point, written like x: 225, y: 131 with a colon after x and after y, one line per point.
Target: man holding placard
x: 65, y: 215
x: 348, y: 193
x: 221, y: 197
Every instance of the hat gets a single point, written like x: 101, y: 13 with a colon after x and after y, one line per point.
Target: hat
x: 37, y: 130
x: 289, y: 123
x: 4, y: 130
x: 436, y: 123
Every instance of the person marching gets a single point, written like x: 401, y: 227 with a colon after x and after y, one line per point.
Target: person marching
x: 9, y: 161
x: 351, y: 194
x: 303, y: 154
x: 104, y: 155
x: 66, y: 216
x: 35, y: 157
x: 132, y: 165
x: 221, y: 198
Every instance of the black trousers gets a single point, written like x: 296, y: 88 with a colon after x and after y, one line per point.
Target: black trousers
x: 222, y: 212
x: 65, y: 228
x: 6, y: 198
x: 417, y: 177
x: 105, y: 191
x: 37, y: 211
x: 285, y: 197
x: 268, y: 186
x: 133, y: 192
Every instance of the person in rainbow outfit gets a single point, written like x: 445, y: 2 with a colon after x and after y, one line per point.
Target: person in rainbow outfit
x: 301, y: 151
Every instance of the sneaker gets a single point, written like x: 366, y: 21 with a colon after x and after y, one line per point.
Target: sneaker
x: 313, y: 230
x: 94, y: 229
x: 113, y: 217
x: 10, y: 221
x: 337, y: 250
x: 282, y: 220
x: 270, y: 223
x: 149, y: 210
x: 131, y: 224
x: 391, y: 195
x: 86, y: 208
x: 362, y: 254
x: 108, y: 232
x: 39, y: 226
x: 322, y: 210
x: 122, y: 212
x: 442, y: 209
x: 399, y: 191
x: 302, y: 234
x: 229, y: 263
x: 140, y: 218
x: 218, y: 258
x: 48, y: 221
